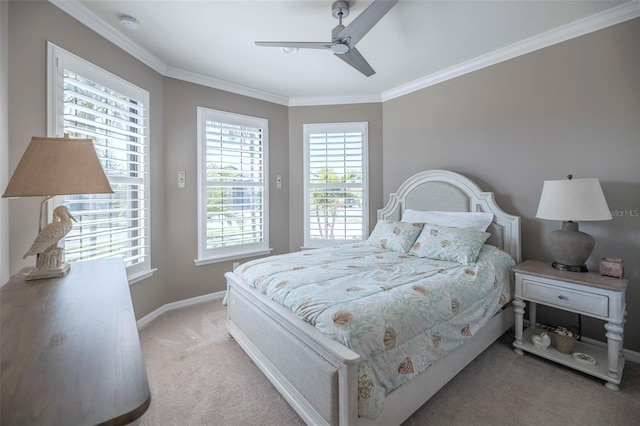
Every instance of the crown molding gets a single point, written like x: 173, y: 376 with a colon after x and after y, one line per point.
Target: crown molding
x: 81, y: 13
x: 334, y: 100
x: 598, y: 21
x: 227, y: 86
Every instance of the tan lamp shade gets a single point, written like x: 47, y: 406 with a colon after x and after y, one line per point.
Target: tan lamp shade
x: 58, y: 166
x: 575, y: 200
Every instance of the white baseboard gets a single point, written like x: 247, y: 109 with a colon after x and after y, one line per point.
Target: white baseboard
x: 147, y: 319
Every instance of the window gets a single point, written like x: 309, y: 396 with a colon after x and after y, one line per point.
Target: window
x: 86, y: 101
x: 232, y: 186
x: 335, y: 182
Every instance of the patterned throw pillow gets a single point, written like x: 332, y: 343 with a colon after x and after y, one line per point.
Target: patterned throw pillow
x: 394, y: 236
x: 453, y: 244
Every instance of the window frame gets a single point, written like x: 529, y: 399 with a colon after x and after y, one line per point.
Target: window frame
x: 59, y: 60
x: 206, y: 255
x: 343, y: 127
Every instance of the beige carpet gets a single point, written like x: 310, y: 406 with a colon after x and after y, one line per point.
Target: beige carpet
x: 199, y: 376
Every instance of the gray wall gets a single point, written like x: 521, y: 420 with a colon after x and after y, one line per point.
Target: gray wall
x: 184, y: 278
x: 298, y: 116
x: 4, y: 145
x: 570, y: 108
x: 31, y: 25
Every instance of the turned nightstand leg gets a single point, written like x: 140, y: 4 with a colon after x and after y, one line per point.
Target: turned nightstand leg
x: 614, y: 341
x: 519, y: 311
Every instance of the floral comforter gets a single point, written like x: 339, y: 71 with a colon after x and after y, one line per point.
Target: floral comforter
x: 400, y: 313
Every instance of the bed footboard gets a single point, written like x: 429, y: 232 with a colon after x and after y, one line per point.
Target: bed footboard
x: 316, y: 377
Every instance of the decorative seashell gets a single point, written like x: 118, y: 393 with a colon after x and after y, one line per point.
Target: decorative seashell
x: 342, y: 318
x: 406, y: 366
x: 445, y: 243
x: 397, y: 230
x: 466, y: 331
x: 420, y: 289
x: 433, y: 232
x: 455, y: 306
x: 383, y: 243
x: 355, y: 289
x: 436, y: 339
x: 503, y: 300
x: 297, y: 268
x: 416, y: 247
x: 389, y: 338
x: 542, y: 341
x: 470, y: 272
x: 282, y: 284
x: 365, y: 387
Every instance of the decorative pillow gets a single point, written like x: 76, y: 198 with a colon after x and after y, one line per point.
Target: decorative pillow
x: 479, y: 221
x: 453, y: 244
x: 395, y: 236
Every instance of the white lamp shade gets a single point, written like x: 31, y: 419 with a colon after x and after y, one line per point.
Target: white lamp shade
x: 574, y: 200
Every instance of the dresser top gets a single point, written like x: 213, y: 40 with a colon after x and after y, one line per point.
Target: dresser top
x: 70, y: 349
x: 544, y: 269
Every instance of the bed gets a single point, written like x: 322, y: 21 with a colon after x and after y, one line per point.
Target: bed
x: 318, y: 375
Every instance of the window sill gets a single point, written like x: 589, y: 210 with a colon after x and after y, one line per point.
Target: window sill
x: 141, y: 276
x: 232, y: 256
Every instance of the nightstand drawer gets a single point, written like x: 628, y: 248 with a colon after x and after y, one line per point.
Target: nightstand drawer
x: 588, y: 303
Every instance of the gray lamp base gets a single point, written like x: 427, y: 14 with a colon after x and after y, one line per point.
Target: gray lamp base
x: 570, y: 248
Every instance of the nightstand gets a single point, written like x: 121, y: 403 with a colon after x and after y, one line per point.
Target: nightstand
x: 585, y: 293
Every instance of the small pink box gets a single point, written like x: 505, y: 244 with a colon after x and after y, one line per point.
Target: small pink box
x: 612, y: 267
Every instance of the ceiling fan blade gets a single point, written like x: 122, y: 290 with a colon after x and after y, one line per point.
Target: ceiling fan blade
x: 354, y: 58
x: 296, y: 44
x: 366, y: 20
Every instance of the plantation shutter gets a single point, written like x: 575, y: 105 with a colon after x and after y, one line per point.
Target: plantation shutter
x: 336, y: 183
x: 235, y: 179
x: 108, y: 224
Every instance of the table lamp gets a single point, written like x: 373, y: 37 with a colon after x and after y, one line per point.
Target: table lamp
x: 572, y: 201
x: 51, y: 167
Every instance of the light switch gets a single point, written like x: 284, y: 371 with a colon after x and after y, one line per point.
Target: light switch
x: 182, y: 179
x: 279, y: 182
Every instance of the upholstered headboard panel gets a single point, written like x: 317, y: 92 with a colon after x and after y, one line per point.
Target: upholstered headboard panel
x: 448, y: 191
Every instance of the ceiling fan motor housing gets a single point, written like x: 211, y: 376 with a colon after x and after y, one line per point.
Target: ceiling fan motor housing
x: 340, y: 7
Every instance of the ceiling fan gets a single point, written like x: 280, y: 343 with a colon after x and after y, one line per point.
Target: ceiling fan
x: 344, y: 39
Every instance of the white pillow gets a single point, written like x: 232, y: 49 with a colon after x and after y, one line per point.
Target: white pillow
x: 479, y: 221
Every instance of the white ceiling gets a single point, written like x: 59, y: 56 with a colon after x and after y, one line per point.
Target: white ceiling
x: 418, y: 43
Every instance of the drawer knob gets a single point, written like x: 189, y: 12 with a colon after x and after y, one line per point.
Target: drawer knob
x: 563, y: 297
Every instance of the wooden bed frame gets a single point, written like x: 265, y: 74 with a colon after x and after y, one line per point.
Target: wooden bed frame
x: 317, y: 375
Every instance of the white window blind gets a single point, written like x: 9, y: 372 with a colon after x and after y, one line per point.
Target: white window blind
x: 233, y: 184
x: 116, y: 224
x: 335, y: 183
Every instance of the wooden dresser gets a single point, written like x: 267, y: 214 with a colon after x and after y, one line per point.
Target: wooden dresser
x: 70, y: 349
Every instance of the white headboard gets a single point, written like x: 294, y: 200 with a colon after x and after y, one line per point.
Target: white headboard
x: 443, y: 190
